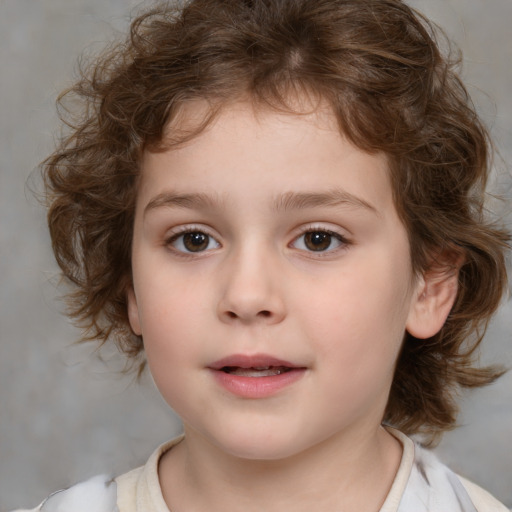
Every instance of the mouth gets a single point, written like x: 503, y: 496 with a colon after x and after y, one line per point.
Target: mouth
x: 255, y: 376
x: 258, y: 365
x: 261, y: 371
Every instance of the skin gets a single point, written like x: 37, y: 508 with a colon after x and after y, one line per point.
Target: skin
x: 256, y: 187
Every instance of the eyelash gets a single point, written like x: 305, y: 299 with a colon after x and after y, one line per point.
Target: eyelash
x: 342, y: 241
x: 189, y: 230
x: 171, y: 240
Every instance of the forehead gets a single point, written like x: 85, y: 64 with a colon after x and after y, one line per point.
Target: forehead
x: 192, y: 117
x: 299, y: 151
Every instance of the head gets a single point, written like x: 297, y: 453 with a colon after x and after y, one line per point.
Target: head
x: 377, y: 68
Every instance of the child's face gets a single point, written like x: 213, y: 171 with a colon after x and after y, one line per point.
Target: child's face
x: 270, y: 241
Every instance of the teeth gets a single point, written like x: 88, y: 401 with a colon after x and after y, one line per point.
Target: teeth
x: 254, y: 372
x: 263, y: 371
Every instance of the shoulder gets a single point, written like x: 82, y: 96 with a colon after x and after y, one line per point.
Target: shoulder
x: 431, y: 478
x: 127, y: 489
x: 98, y: 494
x: 425, y: 484
x: 137, y: 490
x: 483, y: 501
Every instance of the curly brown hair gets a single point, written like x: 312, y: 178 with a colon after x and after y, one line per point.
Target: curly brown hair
x: 378, y: 64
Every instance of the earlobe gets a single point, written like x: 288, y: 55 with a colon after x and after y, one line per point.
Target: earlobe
x: 436, y: 292
x: 133, y: 311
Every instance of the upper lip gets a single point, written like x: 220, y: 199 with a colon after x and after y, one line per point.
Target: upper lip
x: 251, y: 361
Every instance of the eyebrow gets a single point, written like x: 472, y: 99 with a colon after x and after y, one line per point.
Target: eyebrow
x: 188, y: 201
x: 336, y: 197
x: 285, y: 202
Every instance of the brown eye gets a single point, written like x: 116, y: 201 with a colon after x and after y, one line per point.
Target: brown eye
x: 317, y: 240
x: 193, y: 241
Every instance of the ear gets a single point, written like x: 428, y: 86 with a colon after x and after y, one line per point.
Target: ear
x: 435, y: 294
x: 133, y: 311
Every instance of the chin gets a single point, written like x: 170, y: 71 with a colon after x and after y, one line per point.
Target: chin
x: 261, y: 445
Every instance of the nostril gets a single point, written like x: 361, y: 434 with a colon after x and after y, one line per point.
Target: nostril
x: 264, y: 313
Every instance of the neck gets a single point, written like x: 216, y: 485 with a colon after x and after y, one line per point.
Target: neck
x: 343, y: 473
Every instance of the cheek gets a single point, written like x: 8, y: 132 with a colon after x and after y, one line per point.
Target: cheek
x: 165, y: 296
x: 165, y: 331
x: 160, y: 313
x: 361, y: 314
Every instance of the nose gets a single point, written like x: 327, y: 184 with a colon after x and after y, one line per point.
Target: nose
x: 251, y: 290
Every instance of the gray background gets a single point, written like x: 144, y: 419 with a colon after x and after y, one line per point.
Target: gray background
x: 64, y: 413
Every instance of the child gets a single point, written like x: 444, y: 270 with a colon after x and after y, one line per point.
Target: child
x: 279, y: 202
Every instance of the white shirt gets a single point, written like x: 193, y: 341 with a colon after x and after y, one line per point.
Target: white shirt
x: 422, y: 484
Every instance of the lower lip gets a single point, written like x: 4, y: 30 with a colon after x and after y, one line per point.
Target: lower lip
x: 257, y: 387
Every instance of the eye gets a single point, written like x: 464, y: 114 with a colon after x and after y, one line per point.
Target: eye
x: 319, y: 241
x: 192, y: 241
